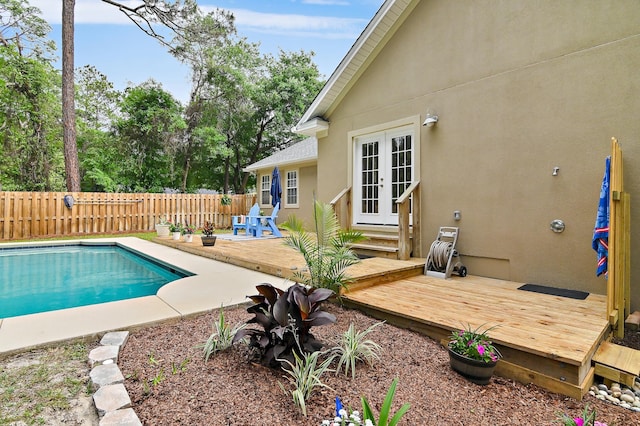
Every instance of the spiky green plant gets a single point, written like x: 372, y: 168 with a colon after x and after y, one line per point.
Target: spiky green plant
x: 221, y: 338
x: 327, y: 253
x: 385, y: 410
x: 305, y: 375
x: 354, y: 347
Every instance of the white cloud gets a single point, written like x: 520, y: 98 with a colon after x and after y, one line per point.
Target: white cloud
x: 98, y: 12
x: 298, y: 25
x: 327, y: 2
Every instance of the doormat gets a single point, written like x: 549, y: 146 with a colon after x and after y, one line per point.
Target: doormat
x: 562, y: 292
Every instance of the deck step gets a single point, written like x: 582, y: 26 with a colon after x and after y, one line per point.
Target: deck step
x: 617, y: 363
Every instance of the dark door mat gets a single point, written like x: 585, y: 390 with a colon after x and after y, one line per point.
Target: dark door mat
x: 562, y: 292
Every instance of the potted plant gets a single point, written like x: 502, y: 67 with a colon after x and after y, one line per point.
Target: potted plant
x: 225, y: 200
x: 208, y: 239
x: 473, y: 355
x: 162, y: 227
x: 176, y: 230
x: 189, y: 230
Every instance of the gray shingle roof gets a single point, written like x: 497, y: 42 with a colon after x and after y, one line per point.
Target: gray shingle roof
x: 304, y: 151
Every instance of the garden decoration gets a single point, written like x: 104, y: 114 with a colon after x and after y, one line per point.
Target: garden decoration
x: 208, y: 239
x: 286, y: 318
x: 176, y: 231
x: 472, y: 354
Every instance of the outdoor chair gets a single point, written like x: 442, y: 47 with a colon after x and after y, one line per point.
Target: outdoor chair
x: 256, y: 225
x: 240, y: 222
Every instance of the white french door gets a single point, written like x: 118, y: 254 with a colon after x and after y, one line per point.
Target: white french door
x: 383, y: 169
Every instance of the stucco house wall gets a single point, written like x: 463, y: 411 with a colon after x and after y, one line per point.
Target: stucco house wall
x: 520, y: 87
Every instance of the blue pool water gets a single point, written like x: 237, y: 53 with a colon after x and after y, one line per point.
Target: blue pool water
x: 45, y: 279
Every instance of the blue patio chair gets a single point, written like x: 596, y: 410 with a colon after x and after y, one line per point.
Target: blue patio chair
x: 240, y: 222
x: 264, y: 223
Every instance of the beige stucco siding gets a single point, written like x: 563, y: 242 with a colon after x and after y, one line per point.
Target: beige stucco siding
x: 306, y: 188
x: 520, y: 88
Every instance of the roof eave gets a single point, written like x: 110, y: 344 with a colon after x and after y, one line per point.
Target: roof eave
x: 316, y: 127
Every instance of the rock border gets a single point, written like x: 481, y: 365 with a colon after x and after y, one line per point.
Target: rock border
x: 110, y: 396
x: 622, y: 396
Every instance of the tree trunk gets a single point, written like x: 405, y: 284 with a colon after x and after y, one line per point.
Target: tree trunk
x: 71, y: 165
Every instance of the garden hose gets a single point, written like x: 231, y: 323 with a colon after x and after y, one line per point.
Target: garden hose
x: 438, y: 257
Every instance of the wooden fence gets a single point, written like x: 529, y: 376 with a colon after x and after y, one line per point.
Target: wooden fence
x: 44, y: 214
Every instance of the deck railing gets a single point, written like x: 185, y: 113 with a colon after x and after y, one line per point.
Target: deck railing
x: 405, y: 207
x: 618, y: 269
x: 342, y: 203
x: 44, y: 214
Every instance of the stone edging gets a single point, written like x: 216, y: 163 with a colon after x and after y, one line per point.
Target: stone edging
x: 110, y: 396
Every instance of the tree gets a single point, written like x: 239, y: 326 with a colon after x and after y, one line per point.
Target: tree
x: 173, y: 16
x: 149, y: 134
x: 97, y: 103
x: 72, y: 167
x: 29, y: 98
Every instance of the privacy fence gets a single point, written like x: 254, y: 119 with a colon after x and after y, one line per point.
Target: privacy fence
x: 50, y: 214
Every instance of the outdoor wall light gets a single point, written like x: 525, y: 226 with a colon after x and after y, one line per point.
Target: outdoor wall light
x: 555, y: 171
x: 430, y: 120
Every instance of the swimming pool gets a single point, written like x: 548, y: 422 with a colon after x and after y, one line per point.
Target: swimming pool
x: 46, y: 278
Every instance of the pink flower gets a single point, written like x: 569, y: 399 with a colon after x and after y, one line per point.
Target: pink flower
x: 481, y: 350
x: 597, y: 423
x: 579, y: 421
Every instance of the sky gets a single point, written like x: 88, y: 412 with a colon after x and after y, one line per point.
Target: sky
x: 105, y: 38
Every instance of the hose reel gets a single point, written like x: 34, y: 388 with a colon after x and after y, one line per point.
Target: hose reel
x: 439, y: 261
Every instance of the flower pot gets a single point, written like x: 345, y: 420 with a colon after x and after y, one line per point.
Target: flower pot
x: 209, y: 241
x: 476, y: 371
x: 175, y: 235
x: 162, y: 231
x: 188, y: 238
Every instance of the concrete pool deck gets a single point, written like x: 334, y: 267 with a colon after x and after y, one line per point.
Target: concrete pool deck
x: 213, y: 284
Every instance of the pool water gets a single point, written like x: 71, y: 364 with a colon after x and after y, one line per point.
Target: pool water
x: 42, y: 279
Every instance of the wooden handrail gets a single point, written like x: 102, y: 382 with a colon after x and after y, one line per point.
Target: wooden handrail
x: 336, y: 203
x: 404, y: 210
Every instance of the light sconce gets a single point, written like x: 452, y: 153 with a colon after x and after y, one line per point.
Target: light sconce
x: 430, y: 120
x: 555, y: 171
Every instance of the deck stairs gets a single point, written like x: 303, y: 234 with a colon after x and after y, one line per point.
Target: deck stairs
x: 617, y: 363
x: 378, y: 244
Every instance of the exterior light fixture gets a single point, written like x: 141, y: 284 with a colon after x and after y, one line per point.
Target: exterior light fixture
x: 430, y: 120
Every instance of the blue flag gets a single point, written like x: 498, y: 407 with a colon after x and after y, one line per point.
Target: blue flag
x: 600, y: 241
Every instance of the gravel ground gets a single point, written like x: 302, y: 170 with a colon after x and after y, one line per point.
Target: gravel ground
x: 170, y: 383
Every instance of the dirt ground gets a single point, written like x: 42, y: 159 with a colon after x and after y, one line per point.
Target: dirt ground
x: 182, y: 389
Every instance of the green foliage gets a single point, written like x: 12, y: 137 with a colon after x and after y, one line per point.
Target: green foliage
x: 286, y: 318
x: 327, y: 253
x: 305, y: 375
x: 208, y: 229
x: 385, y: 411
x: 587, y: 418
x: 474, y: 344
x: 221, y: 338
x: 149, y: 137
x: 354, y: 347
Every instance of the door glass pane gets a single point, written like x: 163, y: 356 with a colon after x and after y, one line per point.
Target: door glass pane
x: 400, y: 168
x: 369, y: 176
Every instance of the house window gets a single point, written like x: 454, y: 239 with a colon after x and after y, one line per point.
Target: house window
x: 291, y: 188
x: 265, y: 190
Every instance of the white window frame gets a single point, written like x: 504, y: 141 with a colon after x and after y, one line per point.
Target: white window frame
x: 265, y: 186
x: 287, y: 187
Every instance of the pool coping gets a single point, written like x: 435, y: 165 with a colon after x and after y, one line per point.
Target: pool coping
x: 213, y: 284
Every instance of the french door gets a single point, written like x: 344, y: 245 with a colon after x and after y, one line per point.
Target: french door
x: 383, y: 169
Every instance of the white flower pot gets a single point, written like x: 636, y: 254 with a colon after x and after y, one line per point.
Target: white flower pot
x: 188, y: 238
x: 162, y: 230
x: 175, y: 235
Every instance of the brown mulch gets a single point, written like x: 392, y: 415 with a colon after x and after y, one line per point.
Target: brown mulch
x: 228, y: 390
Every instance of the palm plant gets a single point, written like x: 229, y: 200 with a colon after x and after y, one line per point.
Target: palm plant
x: 327, y: 253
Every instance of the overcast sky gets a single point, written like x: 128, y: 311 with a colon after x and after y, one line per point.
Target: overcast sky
x: 108, y: 40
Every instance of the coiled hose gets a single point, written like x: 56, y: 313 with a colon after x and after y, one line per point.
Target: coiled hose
x: 438, y: 256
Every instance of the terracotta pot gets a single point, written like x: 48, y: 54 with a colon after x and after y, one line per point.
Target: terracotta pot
x: 475, y: 371
x: 209, y: 240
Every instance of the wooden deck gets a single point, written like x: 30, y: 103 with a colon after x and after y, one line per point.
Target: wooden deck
x: 546, y: 340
